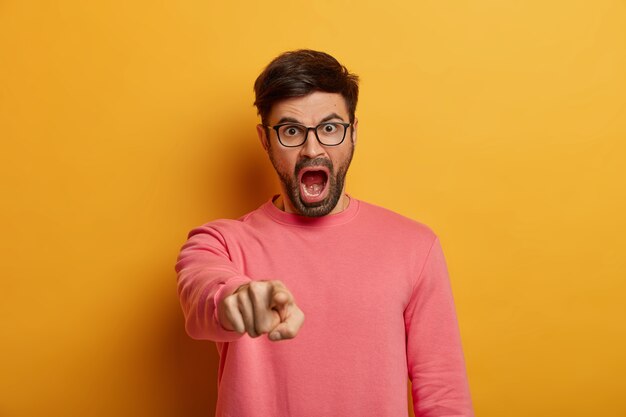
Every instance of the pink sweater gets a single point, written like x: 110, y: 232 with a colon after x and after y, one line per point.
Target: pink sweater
x: 374, y: 288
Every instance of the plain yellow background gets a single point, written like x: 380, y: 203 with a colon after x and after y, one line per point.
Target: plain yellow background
x: 501, y: 124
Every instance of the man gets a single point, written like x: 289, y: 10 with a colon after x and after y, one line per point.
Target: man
x: 372, y: 284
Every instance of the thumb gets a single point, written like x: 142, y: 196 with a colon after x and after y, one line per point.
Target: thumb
x: 289, y: 327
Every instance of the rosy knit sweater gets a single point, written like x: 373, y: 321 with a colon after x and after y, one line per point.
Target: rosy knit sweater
x: 374, y: 289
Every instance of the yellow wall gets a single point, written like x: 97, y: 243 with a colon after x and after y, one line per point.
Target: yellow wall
x: 502, y: 124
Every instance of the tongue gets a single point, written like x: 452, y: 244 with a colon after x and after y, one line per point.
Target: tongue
x: 314, y: 181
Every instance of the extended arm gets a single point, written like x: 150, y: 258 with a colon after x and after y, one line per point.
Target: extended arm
x: 220, y: 303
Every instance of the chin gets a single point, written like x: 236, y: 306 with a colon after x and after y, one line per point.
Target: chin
x: 318, y: 209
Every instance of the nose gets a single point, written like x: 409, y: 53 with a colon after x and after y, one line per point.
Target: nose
x: 311, y: 147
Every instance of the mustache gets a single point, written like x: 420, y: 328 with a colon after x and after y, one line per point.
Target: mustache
x: 305, y: 163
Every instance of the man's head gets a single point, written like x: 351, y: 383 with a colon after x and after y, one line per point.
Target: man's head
x: 301, y: 72
x: 308, y: 89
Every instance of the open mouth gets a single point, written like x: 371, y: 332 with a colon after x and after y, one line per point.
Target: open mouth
x: 313, y: 184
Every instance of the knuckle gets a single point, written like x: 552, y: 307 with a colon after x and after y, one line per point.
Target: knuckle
x: 253, y: 290
x: 230, y: 301
x: 241, y: 298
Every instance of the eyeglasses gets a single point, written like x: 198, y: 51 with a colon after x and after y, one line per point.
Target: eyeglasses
x: 292, y: 135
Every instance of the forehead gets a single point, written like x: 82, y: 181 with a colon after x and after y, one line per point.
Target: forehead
x: 311, y: 108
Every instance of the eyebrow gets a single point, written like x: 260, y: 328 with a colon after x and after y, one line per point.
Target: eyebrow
x: 325, y: 119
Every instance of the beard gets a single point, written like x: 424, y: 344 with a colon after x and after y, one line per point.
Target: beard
x: 335, y: 183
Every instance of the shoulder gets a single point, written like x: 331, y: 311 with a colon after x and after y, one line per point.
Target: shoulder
x: 230, y: 227
x: 390, y: 221
x: 407, y: 241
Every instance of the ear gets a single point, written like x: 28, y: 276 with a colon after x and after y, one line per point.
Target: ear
x: 261, y: 133
x: 355, y: 126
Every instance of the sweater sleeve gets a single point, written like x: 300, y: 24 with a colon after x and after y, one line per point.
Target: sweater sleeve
x: 434, y: 353
x: 206, y: 275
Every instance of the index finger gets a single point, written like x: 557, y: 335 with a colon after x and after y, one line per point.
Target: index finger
x: 281, y: 297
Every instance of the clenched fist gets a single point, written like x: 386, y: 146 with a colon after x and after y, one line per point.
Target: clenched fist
x: 261, y: 307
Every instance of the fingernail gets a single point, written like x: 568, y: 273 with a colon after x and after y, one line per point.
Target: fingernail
x: 275, y: 336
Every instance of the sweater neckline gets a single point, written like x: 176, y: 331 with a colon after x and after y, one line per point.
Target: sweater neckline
x: 292, y: 219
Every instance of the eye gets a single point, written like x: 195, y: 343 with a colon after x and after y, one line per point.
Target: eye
x: 291, y: 130
x: 329, y: 128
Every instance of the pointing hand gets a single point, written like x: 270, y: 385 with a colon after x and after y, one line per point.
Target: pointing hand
x: 261, y: 307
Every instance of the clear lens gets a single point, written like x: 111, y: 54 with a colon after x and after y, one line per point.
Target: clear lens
x: 330, y: 133
x: 292, y: 135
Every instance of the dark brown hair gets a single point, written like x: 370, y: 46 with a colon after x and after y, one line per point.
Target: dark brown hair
x: 301, y: 72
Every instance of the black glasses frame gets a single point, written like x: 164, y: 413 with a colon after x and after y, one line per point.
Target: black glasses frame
x: 306, y: 134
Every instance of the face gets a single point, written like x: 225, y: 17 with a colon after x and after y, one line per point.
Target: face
x: 312, y: 176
